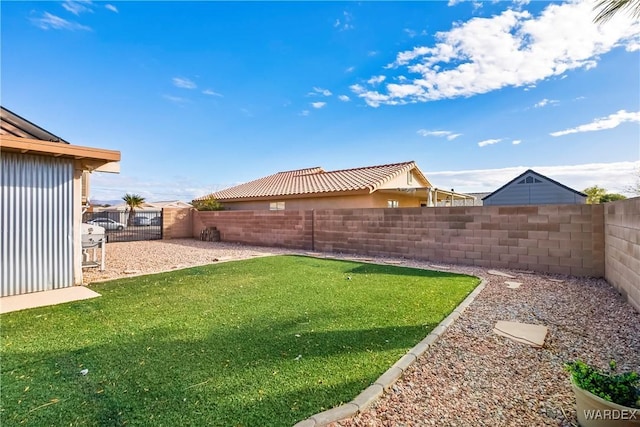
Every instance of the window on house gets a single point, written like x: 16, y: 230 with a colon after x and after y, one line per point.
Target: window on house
x: 392, y: 203
x: 276, y: 206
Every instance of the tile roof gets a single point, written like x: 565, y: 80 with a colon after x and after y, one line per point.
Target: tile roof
x: 316, y: 180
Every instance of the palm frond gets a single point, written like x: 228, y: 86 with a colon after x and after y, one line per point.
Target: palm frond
x: 608, y: 8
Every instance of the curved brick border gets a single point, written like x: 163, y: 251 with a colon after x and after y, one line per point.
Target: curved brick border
x: 386, y: 380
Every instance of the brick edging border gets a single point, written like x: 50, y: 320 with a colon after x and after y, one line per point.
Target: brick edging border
x: 386, y: 380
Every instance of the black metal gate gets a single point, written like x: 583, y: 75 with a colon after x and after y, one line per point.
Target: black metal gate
x: 121, y: 227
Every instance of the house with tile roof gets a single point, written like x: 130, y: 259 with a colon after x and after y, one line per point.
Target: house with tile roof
x: 392, y: 185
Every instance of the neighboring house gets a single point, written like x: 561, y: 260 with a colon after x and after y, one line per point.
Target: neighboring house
x: 120, y: 212
x: 392, y: 185
x: 477, y: 201
x: 532, y: 188
x: 41, y: 205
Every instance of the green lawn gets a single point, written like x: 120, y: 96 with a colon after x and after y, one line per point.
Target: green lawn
x: 262, y: 342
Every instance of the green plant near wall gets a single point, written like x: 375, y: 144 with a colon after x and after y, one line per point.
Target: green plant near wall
x: 207, y: 204
x: 622, y: 389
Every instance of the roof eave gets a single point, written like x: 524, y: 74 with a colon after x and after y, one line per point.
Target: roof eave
x: 89, y: 157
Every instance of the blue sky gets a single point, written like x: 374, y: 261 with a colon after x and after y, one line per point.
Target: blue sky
x: 199, y: 96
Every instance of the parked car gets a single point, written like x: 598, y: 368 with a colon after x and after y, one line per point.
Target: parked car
x: 107, y: 223
x: 157, y: 220
x: 141, y: 220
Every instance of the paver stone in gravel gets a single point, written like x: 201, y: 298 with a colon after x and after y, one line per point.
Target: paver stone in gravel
x: 525, y: 333
x: 512, y: 285
x: 501, y: 274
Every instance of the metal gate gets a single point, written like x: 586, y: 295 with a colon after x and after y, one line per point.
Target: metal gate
x: 122, y: 227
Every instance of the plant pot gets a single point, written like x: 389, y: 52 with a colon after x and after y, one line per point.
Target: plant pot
x: 594, y: 411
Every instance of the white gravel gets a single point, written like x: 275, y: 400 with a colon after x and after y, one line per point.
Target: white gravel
x: 470, y: 377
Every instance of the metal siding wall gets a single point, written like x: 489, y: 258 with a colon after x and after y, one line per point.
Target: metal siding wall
x: 37, y: 223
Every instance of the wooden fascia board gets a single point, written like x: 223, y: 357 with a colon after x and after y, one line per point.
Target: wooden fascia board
x: 56, y: 149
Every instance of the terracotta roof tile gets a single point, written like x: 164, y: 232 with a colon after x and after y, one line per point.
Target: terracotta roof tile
x: 315, y: 180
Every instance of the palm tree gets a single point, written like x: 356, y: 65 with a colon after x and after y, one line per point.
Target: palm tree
x: 608, y: 8
x: 133, y: 201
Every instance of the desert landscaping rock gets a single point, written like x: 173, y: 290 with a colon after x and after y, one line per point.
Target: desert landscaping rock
x: 501, y: 274
x: 467, y: 376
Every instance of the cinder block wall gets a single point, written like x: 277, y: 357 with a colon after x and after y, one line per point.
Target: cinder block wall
x: 566, y: 239
x: 288, y: 228
x: 622, y: 248
x: 177, y: 223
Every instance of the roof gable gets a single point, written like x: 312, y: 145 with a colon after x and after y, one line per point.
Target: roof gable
x: 317, y: 181
x: 15, y: 125
x: 530, y: 173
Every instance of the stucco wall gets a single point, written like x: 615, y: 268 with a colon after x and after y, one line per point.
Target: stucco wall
x: 376, y: 200
x: 622, y: 248
x: 566, y: 239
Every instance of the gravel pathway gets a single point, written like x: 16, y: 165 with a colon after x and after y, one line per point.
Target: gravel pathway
x: 470, y: 376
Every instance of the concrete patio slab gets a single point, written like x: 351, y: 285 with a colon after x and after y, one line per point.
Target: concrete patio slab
x: 42, y: 299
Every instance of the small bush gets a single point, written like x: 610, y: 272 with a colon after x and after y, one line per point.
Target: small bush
x: 207, y: 204
x: 617, y: 388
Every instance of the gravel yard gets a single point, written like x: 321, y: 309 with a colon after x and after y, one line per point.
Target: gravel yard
x: 470, y: 376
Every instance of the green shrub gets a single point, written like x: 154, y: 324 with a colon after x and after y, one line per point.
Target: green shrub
x: 617, y: 388
x: 207, y: 204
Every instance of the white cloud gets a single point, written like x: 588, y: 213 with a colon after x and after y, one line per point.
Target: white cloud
x: 376, y: 80
x: 77, y: 6
x: 439, y: 134
x: 111, y: 187
x: 516, y: 141
x: 512, y: 49
x: 344, y: 98
x: 320, y: 91
x: 545, y: 102
x: 612, y: 176
x: 602, y: 123
x: 350, y: 69
x: 211, y: 93
x: 344, y: 23
x: 411, y: 33
x: 304, y: 113
x: 111, y: 7
x: 318, y: 105
x: 183, y: 83
x: 49, y: 21
x: 488, y: 142
x: 176, y: 99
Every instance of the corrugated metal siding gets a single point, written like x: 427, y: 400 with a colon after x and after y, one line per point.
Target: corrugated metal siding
x: 37, y: 223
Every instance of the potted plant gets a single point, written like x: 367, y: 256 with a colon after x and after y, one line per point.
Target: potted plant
x: 605, y: 398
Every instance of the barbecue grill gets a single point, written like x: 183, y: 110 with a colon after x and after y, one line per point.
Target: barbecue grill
x: 93, y: 238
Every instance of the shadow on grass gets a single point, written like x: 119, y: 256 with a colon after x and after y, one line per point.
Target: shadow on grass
x: 250, y: 376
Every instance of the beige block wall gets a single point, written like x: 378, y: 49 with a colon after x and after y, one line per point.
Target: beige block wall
x: 177, y: 223
x: 289, y: 228
x: 622, y: 248
x: 565, y: 239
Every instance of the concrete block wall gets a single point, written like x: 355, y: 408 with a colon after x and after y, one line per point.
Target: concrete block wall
x: 177, y: 223
x: 288, y: 228
x: 566, y: 239
x: 622, y: 248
